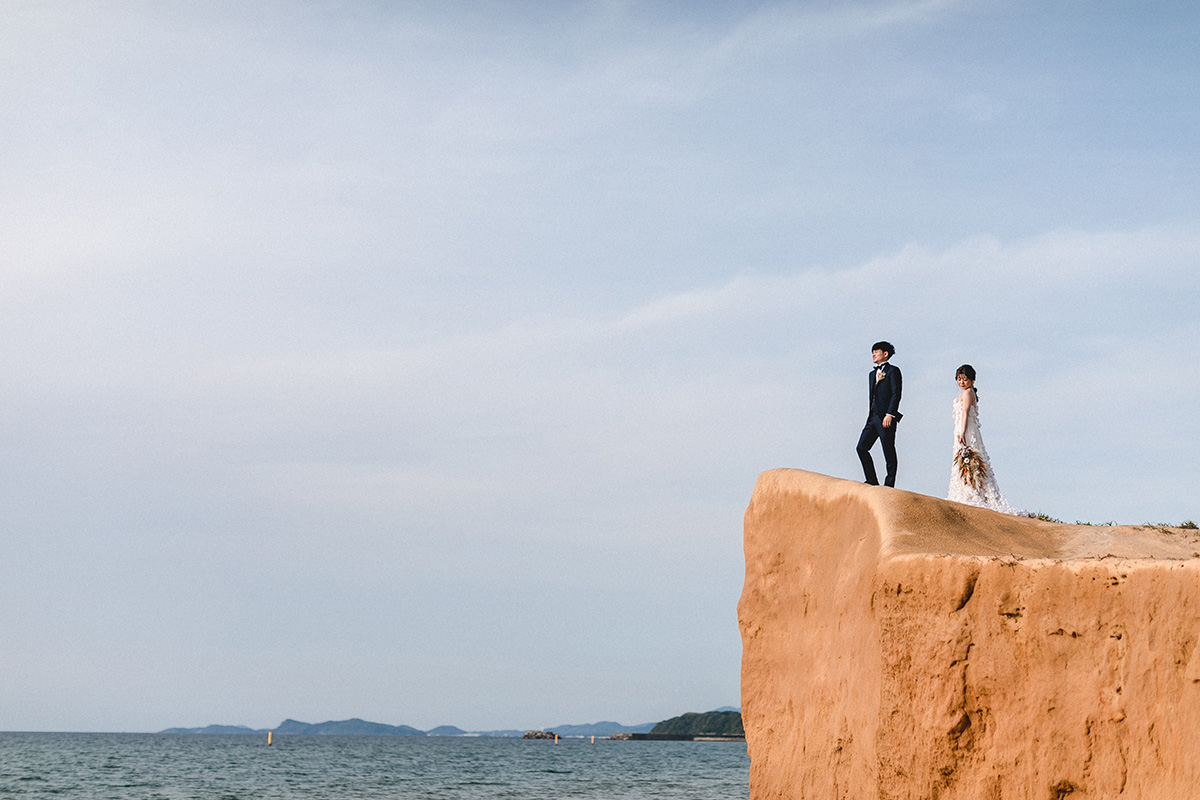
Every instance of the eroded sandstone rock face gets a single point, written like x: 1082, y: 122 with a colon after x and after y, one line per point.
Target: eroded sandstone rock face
x: 902, y: 647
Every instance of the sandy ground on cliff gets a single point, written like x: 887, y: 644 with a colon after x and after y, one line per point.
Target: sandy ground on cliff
x: 922, y: 524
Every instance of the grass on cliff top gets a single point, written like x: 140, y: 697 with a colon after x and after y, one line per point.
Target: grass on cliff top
x: 1166, y: 527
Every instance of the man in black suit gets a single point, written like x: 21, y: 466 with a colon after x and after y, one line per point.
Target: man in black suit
x: 883, y: 415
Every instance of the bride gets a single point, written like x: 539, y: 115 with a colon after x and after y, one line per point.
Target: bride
x: 971, y: 478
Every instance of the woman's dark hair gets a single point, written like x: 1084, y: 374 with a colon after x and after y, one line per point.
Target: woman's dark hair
x: 885, y: 347
x: 969, y: 371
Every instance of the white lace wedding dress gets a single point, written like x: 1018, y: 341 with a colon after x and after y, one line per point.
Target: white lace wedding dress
x: 988, y: 494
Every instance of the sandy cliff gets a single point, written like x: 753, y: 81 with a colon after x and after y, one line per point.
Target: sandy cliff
x: 899, y: 646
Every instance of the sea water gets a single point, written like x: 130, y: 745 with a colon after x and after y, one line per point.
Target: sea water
x: 242, y: 767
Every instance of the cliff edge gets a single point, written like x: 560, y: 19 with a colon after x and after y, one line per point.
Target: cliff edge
x: 903, y: 647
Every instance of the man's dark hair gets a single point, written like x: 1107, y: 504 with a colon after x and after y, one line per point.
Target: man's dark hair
x: 885, y: 347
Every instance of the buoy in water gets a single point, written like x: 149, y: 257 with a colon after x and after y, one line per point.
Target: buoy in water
x: 269, y: 738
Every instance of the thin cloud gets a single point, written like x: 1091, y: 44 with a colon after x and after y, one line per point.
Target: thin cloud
x: 1047, y: 263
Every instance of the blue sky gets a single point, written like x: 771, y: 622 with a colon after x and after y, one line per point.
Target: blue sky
x: 415, y: 361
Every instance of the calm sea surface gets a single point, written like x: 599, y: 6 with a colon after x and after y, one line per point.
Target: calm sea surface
x: 213, y: 767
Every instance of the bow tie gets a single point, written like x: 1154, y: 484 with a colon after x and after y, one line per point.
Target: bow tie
x: 879, y: 367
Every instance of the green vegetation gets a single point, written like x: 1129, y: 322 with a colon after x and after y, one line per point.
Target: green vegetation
x: 1166, y: 527
x: 713, y: 723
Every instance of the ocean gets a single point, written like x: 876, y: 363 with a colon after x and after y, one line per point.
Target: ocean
x: 136, y: 766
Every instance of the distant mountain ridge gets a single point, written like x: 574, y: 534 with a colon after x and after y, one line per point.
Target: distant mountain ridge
x: 216, y: 729
x: 361, y: 727
x: 600, y: 729
x: 345, y: 727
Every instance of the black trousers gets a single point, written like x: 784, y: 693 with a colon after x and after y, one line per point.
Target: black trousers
x: 871, y: 432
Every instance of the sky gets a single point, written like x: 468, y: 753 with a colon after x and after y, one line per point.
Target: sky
x: 416, y: 361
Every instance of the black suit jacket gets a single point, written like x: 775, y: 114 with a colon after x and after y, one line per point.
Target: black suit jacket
x: 885, y: 394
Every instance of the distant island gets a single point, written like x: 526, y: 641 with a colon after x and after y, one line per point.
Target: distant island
x: 719, y: 722
x: 346, y: 727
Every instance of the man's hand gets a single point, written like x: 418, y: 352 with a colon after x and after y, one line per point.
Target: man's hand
x: 887, y: 420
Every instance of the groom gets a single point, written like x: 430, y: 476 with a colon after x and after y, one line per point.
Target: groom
x: 883, y: 415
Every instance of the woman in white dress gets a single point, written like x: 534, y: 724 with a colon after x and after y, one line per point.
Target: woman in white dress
x: 972, y: 480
